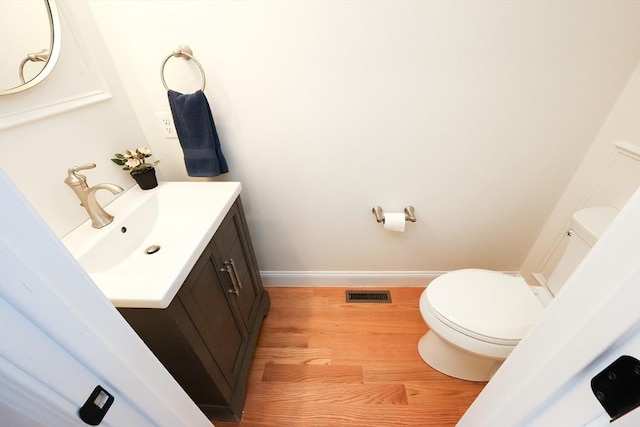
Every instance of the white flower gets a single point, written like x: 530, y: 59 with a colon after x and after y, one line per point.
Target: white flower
x: 134, y: 160
x: 132, y: 163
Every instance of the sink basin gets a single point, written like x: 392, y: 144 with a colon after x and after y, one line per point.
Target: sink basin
x: 142, y: 258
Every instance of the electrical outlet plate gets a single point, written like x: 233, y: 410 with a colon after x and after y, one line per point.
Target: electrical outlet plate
x: 165, y: 122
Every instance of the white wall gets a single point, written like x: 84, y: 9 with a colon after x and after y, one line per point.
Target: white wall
x: 607, y: 176
x: 477, y: 114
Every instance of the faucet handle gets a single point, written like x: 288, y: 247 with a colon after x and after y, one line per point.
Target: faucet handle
x: 82, y: 167
x: 75, y: 178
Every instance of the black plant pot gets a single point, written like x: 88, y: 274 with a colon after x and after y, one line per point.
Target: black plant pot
x: 147, y: 179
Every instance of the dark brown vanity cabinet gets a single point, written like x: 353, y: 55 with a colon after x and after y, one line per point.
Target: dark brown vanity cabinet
x: 206, y: 336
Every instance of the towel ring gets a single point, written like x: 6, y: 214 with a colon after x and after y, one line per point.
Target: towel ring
x: 184, y: 52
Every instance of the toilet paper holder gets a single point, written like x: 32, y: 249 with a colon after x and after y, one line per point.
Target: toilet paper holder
x: 409, y: 213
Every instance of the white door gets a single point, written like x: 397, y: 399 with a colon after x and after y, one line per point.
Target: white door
x: 594, y: 319
x: 60, y: 337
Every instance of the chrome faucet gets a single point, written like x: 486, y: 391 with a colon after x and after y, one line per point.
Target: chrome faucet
x: 87, y: 196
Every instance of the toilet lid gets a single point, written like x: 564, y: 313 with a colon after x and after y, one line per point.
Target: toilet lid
x: 485, y: 304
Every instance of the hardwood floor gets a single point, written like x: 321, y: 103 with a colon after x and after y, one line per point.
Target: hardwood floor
x: 321, y: 362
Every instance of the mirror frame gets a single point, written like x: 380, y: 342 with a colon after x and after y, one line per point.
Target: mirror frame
x: 56, y: 41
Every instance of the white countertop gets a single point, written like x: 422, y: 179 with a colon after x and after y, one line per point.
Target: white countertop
x: 180, y: 217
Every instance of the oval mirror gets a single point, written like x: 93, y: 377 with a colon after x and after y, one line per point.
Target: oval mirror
x: 29, y: 42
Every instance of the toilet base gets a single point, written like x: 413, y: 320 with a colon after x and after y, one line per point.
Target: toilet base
x: 455, y: 362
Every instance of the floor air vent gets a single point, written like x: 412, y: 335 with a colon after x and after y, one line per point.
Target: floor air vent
x: 369, y: 296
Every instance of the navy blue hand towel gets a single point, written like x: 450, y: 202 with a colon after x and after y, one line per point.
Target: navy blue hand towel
x: 197, y: 134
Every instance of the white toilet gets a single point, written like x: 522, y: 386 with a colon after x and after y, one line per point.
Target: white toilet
x: 477, y: 317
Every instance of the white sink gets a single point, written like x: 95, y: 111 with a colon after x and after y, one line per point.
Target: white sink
x: 178, y: 217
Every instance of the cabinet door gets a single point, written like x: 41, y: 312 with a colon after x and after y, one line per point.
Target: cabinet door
x: 206, y: 301
x: 174, y: 339
x: 234, y: 247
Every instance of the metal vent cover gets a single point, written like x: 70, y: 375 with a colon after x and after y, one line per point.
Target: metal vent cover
x: 380, y: 297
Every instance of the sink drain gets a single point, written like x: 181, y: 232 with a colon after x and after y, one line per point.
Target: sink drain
x: 152, y: 249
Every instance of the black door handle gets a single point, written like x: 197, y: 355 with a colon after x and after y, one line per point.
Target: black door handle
x: 96, y: 406
x: 617, y: 387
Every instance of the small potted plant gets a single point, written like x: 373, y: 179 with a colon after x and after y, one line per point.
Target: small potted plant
x: 135, y: 161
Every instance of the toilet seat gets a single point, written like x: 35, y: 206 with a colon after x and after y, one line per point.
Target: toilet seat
x: 486, y: 305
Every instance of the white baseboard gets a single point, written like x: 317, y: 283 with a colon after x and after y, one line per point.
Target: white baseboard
x: 348, y: 278
x: 351, y: 278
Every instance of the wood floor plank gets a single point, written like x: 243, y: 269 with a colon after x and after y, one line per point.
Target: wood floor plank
x: 289, y: 293
x: 350, y: 319
x: 437, y: 396
x: 314, y: 394
x: 370, y: 349
x: 336, y: 374
x: 281, y: 339
x: 305, y: 356
x: 423, y: 375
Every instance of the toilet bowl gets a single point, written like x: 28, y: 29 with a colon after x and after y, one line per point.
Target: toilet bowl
x: 477, y: 317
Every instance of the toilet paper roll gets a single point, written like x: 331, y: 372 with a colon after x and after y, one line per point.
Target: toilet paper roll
x: 394, y: 221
